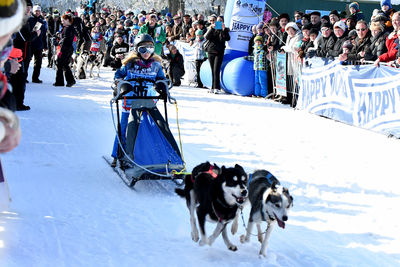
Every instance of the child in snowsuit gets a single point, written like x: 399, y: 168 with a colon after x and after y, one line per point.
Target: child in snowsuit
x: 200, y: 54
x: 260, y: 67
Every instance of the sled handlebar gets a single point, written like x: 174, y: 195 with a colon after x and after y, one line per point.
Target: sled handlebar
x: 163, y: 93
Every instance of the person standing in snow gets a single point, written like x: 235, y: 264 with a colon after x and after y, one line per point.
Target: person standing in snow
x: 65, y: 53
x: 36, y: 22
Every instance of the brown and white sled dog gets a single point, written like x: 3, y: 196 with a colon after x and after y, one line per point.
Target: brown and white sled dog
x: 216, y: 194
x: 270, y: 202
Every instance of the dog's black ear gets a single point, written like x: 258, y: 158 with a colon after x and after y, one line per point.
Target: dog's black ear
x: 237, y: 166
x: 285, y: 190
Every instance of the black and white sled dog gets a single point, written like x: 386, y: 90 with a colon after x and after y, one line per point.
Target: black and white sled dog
x: 216, y: 194
x: 95, y: 61
x: 80, y: 64
x: 270, y: 202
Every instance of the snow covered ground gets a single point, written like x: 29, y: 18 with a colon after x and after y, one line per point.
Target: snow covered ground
x: 70, y: 209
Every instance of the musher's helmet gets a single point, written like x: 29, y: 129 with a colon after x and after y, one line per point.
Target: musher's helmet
x: 142, y: 38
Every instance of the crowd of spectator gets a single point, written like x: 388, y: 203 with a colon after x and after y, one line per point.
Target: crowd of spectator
x: 112, y: 32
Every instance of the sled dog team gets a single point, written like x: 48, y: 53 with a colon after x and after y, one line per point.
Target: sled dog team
x: 218, y: 195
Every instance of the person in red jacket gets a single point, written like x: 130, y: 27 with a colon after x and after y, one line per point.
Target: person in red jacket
x: 391, y: 42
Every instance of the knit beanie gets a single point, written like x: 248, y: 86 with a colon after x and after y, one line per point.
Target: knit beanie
x: 258, y: 38
x: 11, y: 15
x: 354, y: 5
x: 386, y: 3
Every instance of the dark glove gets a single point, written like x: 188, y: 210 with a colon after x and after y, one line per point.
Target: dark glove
x: 161, y: 89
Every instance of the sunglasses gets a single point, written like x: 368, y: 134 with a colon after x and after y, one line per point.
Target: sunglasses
x: 146, y: 49
x: 6, y: 51
x: 363, y: 29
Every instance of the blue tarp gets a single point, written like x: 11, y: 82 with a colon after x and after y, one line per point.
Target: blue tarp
x: 151, y: 146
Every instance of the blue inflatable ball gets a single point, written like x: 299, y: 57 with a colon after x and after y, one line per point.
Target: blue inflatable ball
x: 205, y: 74
x: 238, y: 77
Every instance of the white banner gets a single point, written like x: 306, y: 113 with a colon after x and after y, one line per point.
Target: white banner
x: 245, y: 14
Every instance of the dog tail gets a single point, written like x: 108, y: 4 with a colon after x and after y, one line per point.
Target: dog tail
x: 180, y: 192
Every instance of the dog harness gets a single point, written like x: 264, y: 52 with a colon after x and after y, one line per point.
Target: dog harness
x: 210, y: 172
x: 268, y: 177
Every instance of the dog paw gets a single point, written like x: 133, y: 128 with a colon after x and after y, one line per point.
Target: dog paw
x: 195, y: 236
x: 244, y: 239
x: 262, y: 255
x: 203, y: 242
x: 232, y: 247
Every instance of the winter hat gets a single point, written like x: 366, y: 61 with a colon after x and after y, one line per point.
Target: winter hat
x: 56, y: 13
x: 177, y: 17
x: 36, y: 8
x: 354, y: 5
x: 347, y: 44
x: 316, y: 13
x: 135, y: 27
x: 292, y: 25
x: 340, y: 24
x: 29, y: 3
x: 11, y: 15
x: 386, y: 3
x: 326, y: 25
x: 168, y: 15
x: 284, y: 15
x: 334, y: 12
x: 259, y: 26
x: 199, y: 32
x: 258, y: 38
x: 353, y: 33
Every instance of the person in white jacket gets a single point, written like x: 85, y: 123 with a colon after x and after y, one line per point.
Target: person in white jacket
x: 294, y: 38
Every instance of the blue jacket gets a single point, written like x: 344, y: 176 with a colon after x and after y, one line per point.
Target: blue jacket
x: 136, y: 68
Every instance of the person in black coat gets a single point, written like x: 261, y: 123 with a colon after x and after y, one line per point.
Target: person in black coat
x: 65, y: 54
x: 362, y: 42
x: 118, y: 52
x: 215, y: 50
x: 176, y: 69
x: 38, y: 44
x: 53, y: 26
x: 327, y: 41
x: 340, y: 32
x: 378, y: 42
x: 22, y: 40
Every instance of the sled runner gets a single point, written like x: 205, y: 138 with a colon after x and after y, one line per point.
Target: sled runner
x: 147, y: 149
